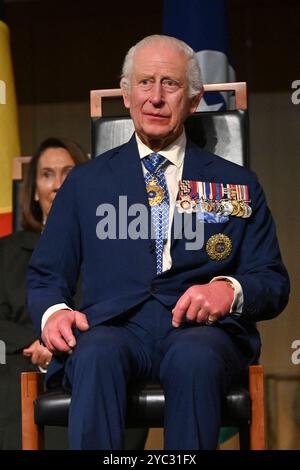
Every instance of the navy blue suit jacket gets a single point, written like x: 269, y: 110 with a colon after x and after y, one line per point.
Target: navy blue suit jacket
x: 118, y: 274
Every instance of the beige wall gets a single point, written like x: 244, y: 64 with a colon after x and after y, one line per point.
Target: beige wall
x: 62, y: 119
x: 275, y: 156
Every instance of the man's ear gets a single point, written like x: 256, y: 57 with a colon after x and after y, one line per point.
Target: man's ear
x: 126, y: 99
x: 196, y: 100
x: 124, y: 87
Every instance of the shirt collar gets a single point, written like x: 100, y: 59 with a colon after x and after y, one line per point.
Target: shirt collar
x: 173, y: 152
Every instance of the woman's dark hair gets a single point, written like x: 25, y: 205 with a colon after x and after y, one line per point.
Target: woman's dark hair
x: 32, y: 217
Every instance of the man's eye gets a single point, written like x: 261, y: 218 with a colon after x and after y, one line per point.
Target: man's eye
x: 146, y: 83
x: 170, y: 85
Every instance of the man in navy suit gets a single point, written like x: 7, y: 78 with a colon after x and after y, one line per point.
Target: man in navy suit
x: 156, y: 303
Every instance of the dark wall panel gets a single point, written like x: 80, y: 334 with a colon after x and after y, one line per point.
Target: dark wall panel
x: 62, y: 49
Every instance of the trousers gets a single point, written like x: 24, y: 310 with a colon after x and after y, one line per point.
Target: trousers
x: 194, y: 363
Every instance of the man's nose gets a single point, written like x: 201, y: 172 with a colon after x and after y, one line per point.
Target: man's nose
x: 157, y: 94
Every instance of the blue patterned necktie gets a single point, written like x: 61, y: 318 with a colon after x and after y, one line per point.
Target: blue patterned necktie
x: 158, y: 197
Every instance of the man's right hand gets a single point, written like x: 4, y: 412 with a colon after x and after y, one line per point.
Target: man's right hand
x: 57, y: 333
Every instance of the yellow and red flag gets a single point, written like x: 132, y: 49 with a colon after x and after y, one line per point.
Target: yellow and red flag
x: 9, y: 131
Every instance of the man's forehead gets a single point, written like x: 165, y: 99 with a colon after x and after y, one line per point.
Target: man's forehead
x: 158, y: 49
x: 159, y: 57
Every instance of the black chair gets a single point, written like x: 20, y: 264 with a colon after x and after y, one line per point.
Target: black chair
x: 226, y: 134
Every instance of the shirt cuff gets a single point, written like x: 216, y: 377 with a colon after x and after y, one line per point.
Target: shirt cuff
x: 51, y: 310
x: 238, y: 299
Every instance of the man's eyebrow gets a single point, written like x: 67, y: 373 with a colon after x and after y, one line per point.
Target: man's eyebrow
x: 145, y: 75
x: 167, y: 77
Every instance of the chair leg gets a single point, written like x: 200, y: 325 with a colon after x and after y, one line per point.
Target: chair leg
x: 31, y: 387
x: 257, y: 425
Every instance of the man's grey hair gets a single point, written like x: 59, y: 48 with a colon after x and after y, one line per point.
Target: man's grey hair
x: 194, y: 76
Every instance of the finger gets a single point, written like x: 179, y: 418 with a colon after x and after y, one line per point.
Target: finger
x: 42, y: 356
x: 81, y: 321
x: 192, y: 311
x: 35, y: 357
x: 51, y: 334
x: 48, y: 357
x: 46, y: 353
x: 58, y: 344
x: 66, y: 334
x: 180, y: 309
x: 46, y: 340
x: 54, y: 341
x: 202, y: 314
x: 43, y: 361
x: 30, y: 348
x: 211, y: 319
x: 27, y: 352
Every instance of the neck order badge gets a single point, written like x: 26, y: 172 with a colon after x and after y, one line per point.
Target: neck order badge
x: 158, y: 198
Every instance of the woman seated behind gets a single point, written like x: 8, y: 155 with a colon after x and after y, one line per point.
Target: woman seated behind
x: 47, y: 170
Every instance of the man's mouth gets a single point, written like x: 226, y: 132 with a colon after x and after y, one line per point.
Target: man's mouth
x: 158, y: 117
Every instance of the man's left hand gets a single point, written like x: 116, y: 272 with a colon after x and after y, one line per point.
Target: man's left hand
x: 202, y: 303
x: 39, y: 355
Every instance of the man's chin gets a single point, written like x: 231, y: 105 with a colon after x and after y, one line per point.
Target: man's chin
x: 156, y: 132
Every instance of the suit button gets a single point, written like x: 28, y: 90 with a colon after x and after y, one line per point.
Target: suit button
x: 153, y: 289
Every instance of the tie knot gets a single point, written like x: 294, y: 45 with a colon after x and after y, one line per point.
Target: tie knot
x: 154, y: 162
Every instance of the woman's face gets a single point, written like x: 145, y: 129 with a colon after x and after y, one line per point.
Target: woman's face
x: 53, y: 166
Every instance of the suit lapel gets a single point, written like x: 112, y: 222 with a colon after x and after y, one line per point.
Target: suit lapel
x: 127, y: 173
x: 197, y: 163
x: 129, y: 179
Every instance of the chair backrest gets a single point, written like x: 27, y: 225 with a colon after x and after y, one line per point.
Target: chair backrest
x: 224, y: 133
x: 19, y: 168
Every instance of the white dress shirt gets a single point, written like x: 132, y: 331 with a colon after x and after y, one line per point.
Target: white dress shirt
x: 175, y: 154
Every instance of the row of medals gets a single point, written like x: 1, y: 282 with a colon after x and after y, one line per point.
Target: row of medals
x: 224, y: 207
x: 233, y: 207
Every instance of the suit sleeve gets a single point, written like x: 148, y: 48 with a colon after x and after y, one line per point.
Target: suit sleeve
x: 15, y: 335
x: 54, y: 267
x: 260, y: 269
